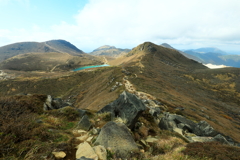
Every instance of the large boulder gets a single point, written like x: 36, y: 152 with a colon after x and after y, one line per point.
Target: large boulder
x: 117, y: 137
x: 128, y: 106
x: 204, y: 129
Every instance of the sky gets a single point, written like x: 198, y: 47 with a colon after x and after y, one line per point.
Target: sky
x: 89, y: 24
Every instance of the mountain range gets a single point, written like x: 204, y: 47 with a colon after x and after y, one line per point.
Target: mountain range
x: 215, y: 56
x: 109, y: 51
x: 44, y: 56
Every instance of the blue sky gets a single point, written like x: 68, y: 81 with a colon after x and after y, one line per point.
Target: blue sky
x: 89, y: 24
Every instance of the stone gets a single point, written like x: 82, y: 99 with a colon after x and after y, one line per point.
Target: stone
x: 82, y: 138
x: 84, y: 158
x: 84, y: 149
x: 155, y: 112
x: 167, y: 124
x: 151, y: 139
x: 170, y: 121
x: 128, y: 107
x: 89, y: 139
x: 59, y: 155
x: 54, y: 103
x: 201, y: 139
x: 81, y: 112
x: 117, y: 137
x: 178, y: 130
x: 204, y: 129
x: 78, y: 132
x: 220, y: 138
x: 84, y: 123
x: 101, y: 152
x: 95, y: 131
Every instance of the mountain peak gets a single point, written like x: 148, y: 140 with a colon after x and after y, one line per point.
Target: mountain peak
x: 105, y: 47
x: 166, y: 45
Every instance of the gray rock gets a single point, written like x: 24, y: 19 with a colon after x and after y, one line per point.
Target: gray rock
x: 117, y: 137
x: 155, y: 111
x: 204, y: 129
x: 169, y: 121
x: 84, y: 158
x: 54, y: 103
x: 167, y: 124
x: 128, y: 107
x: 220, y: 138
x: 84, y: 123
x: 81, y: 112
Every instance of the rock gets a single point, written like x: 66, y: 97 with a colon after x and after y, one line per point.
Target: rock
x: 59, y: 155
x: 204, y: 129
x: 48, y: 104
x: 84, y: 123
x: 95, y: 131
x: 201, y: 139
x: 54, y: 103
x: 178, y: 130
x: 78, y: 132
x: 151, y: 139
x: 220, y: 138
x: 117, y: 137
x: 170, y: 121
x: 81, y: 112
x: 89, y: 139
x: 167, y: 124
x: 84, y: 149
x: 155, y: 111
x: 128, y: 106
x: 84, y: 158
x: 101, y: 152
x: 82, y: 138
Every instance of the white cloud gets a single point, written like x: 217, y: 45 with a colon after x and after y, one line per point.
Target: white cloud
x: 127, y: 23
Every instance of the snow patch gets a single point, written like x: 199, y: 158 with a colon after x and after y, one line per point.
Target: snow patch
x: 213, y: 66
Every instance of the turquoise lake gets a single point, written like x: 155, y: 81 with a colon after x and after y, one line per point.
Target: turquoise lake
x: 87, y: 67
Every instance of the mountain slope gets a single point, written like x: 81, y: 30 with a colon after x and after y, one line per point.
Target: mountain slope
x: 64, y: 46
x: 183, y: 53
x: 109, y: 51
x: 44, y: 56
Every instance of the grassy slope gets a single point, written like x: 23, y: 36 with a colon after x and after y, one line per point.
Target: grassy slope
x: 211, y: 95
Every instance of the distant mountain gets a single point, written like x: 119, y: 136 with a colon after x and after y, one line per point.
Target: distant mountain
x: 109, y: 51
x: 46, y: 56
x: 183, y: 53
x: 215, y: 56
x: 209, y: 50
x: 59, y: 46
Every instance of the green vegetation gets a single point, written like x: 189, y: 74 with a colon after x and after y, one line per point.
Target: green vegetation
x: 27, y: 132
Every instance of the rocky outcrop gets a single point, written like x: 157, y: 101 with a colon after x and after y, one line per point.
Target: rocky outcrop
x: 171, y: 121
x: 128, y: 107
x: 200, y: 132
x: 54, y: 103
x: 204, y: 129
x: 117, y: 137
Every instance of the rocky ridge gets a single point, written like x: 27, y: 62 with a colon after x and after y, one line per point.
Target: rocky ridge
x: 125, y: 135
